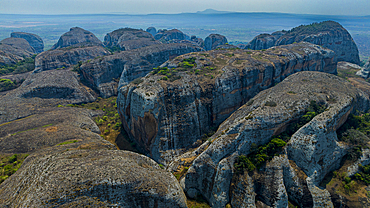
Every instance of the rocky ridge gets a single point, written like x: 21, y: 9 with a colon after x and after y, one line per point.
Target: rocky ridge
x: 214, y: 40
x: 166, y: 118
x: 129, y: 65
x: 129, y: 39
x: 34, y: 40
x: 328, y: 34
x: 13, y: 50
x: 313, y: 150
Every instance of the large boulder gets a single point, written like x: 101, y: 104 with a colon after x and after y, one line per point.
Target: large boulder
x: 214, y: 40
x: 328, y: 34
x: 172, y: 108
x: 65, y: 58
x: 169, y: 35
x: 94, y: 178
x: 13, y: 50
x: 77, y: 37
x: 152, y: 30
x: 34, y: 40
x: 127, y: 66
x: 312, y: 152
x: 129, y: 39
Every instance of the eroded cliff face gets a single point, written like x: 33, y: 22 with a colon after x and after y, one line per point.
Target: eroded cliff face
x: 129, y: 65
x: 328, y: 34
x: 312, y: 152
x: 214, y: 40
x: 65, y: 58
x: 170, y: 111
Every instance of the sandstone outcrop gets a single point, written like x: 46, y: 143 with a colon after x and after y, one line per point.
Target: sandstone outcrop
x: 77, y: 37
x: 328, y: 34
x: 13, y: 50
x: 152, y: 30
x: 170, y: 110
x: 129, y: 39
x: 95, y: 178
x: 313, y: 150
x: 214, y: 40
x: 65, y: 58
x: 130, y: 65
x: 168, y: 35
x: 34, y: 40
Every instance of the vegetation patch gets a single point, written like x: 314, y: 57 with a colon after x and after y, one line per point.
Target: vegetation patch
x: 10, y: 164
x: 26, y: 65
x: 110, y: 123
x: 259, y: 155
x: 7, y: 84
x: 67, y: 142
x: 198, y: 202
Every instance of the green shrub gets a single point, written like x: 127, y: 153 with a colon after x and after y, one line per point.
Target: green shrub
x: 6, y: 84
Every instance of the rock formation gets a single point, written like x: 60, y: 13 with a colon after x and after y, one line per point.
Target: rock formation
x: 152, y: 30
x: 365, y: 70
x: 214, y: 40
x: 313, y: 150
x: 65, y: 58
x: 34, y: 40
x: 77, y: 37
x: 13, y: 50
x: 168, y: 35
x: 170, y: 110
x: 95, y: 178
x: 328, y: 34
x: 198, y: 41
x: 130, y: 65
x: 129, y: 39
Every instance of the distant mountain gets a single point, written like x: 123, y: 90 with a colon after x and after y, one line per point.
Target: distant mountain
x: 212, y: 11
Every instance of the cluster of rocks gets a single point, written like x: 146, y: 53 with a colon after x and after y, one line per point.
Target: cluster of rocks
x: 328, y: 34
x: 246, y: 96
x: 19, y: 46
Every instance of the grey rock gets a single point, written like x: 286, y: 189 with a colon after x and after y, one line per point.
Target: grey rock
x: 34, y: 40
x: 328, y: 34
x: 130, y: 65
x: 77, y: 37
x: 65, y: 58
x: 365, y: 70
x: 258, y: 122
x: 95, y: 178
x: 167, y: 118
x: 152, y: 30
x: 13, y: 50
x: 214, y: 40
x: 168, y: 35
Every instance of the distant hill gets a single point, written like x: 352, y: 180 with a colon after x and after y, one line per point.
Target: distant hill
x: 212, y: 11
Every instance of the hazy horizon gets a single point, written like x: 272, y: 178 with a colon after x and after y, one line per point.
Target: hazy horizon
x: 319, y: 7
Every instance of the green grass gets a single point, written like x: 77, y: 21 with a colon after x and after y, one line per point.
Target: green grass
x: 67, y: 142
x: 10, y: 164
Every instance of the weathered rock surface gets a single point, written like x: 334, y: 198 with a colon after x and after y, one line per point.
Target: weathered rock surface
x: 198, y: 41
x: 77, y: 37
x: 152, y: 30
x: 13, y: 50
x: 96, y: 178
x: 328, y: 34
x: 129, y: 65
x: 214, y: 40
x: 167, y: 118
x: 45, y: 89
x: 365, y: 70
x: 34, y: 40
x: 65, y: 58
x: 168, y: 35
x: 264, y: 41
x: 257, y: 121
x: 129, y: 39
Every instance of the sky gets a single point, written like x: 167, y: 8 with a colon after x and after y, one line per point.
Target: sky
x: 326, y: 7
